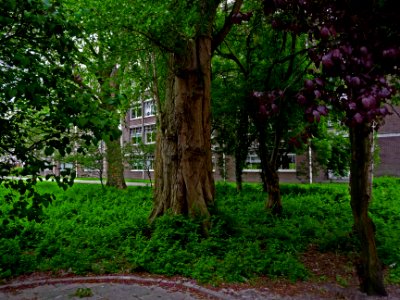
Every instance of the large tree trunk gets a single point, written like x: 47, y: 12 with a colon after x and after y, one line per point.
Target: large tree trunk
x: 115, y: 167
x: 184, y: 181
x: 369, y: 268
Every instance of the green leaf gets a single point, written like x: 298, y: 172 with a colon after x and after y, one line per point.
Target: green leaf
x: 48, y: 151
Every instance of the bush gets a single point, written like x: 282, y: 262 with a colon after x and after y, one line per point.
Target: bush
x: 91, y: 229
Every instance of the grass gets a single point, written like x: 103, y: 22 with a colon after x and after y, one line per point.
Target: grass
x: 88, y: 229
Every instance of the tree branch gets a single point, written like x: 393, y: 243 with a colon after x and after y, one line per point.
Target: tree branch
x: 233, y: 57
x: 220, y: 36
x: 394, y: 110
x: 152, y: 39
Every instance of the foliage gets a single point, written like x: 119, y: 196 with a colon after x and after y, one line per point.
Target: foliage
x: 90, y: 158
x: 139, y: 156
x: 89, y: 229
x: 39, y: 101
x: 356, y: 55
x: 386, y: 210
x: 350, y: 43
x: 332, y: 148
x: 256, y: 58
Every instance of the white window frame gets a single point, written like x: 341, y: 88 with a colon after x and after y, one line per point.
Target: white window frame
x: 150, y: 130
x: 136, y: 133
x: 133, y: 111
x: 149, y: 108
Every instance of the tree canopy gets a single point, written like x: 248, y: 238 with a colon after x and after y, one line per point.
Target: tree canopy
x: 40, y: 100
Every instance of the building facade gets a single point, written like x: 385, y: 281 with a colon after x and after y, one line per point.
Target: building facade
x: 140, y: 127
x: 388, y: 142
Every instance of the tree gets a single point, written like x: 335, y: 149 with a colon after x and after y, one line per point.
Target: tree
x: 332, y: 148
x: 39, y: 100
x: 356, y: 53
x: 102, y: 67
x: 183, y: 170
x: 90, y: 158
x: 275, y: 112
x: 140, y: 155
x: 261, y: 90
x: 232, y: 130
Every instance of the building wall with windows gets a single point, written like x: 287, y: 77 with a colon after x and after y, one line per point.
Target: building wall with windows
x: 140, y: 128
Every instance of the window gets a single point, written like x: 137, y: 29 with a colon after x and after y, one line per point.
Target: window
x: 253, y: 162
x: 150, y: 134
x: 136, y: 135
x: 66, y: 166
x: 149, y: 108
x: 143, y: 163
x: 136, y: 111
x: 288, y: 162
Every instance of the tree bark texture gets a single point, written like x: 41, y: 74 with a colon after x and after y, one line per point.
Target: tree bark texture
x: 115, y: 166
x: 184, y: 181
x: 269, y: 175
x: 369, y: 268
x: 274, y: 203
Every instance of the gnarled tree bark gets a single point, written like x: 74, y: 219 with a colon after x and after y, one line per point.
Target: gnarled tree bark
x: 184, y: 181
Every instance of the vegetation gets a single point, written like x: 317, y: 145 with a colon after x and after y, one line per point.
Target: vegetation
x: 63, y: 71
x: 93, y: 230
x: 356, y: 57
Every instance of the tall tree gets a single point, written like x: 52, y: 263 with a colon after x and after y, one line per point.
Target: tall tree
x: 39, y: 101
x: 356, y: 43
x: 108, y: 57
x: 273, y: 111
x: 232, y: 130
x: 183, y: 170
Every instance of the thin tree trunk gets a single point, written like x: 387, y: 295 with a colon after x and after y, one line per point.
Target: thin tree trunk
x: 242, y: 146
x: 269, y: 174
x: 263, y: 154
x: 274, y: 202
x: 369, y: 268
x: 115, y: 167
x: 238, y: 171
x: 184, y: 181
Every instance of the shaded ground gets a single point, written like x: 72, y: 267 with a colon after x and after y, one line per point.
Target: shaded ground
x: 333, y: 278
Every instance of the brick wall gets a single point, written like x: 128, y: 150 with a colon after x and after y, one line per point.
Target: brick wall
x: 389, y: 146
x: 389, y: 150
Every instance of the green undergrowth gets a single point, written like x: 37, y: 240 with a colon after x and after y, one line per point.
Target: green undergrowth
x: 90, y: 229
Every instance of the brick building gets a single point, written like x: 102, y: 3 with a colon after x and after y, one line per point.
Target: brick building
x: 389, y: 146
x: 140, y: 126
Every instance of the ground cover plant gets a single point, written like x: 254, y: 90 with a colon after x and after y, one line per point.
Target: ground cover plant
x: 90, y: 229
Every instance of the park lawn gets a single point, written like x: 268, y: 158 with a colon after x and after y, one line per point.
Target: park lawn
x: 90, y: 229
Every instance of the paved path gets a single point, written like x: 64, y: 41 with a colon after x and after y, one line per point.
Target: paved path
x: 104, y: 291
x: 128, y: 183
x: 132, y: 287
x: 117, y: 287
x: 100, y: 287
